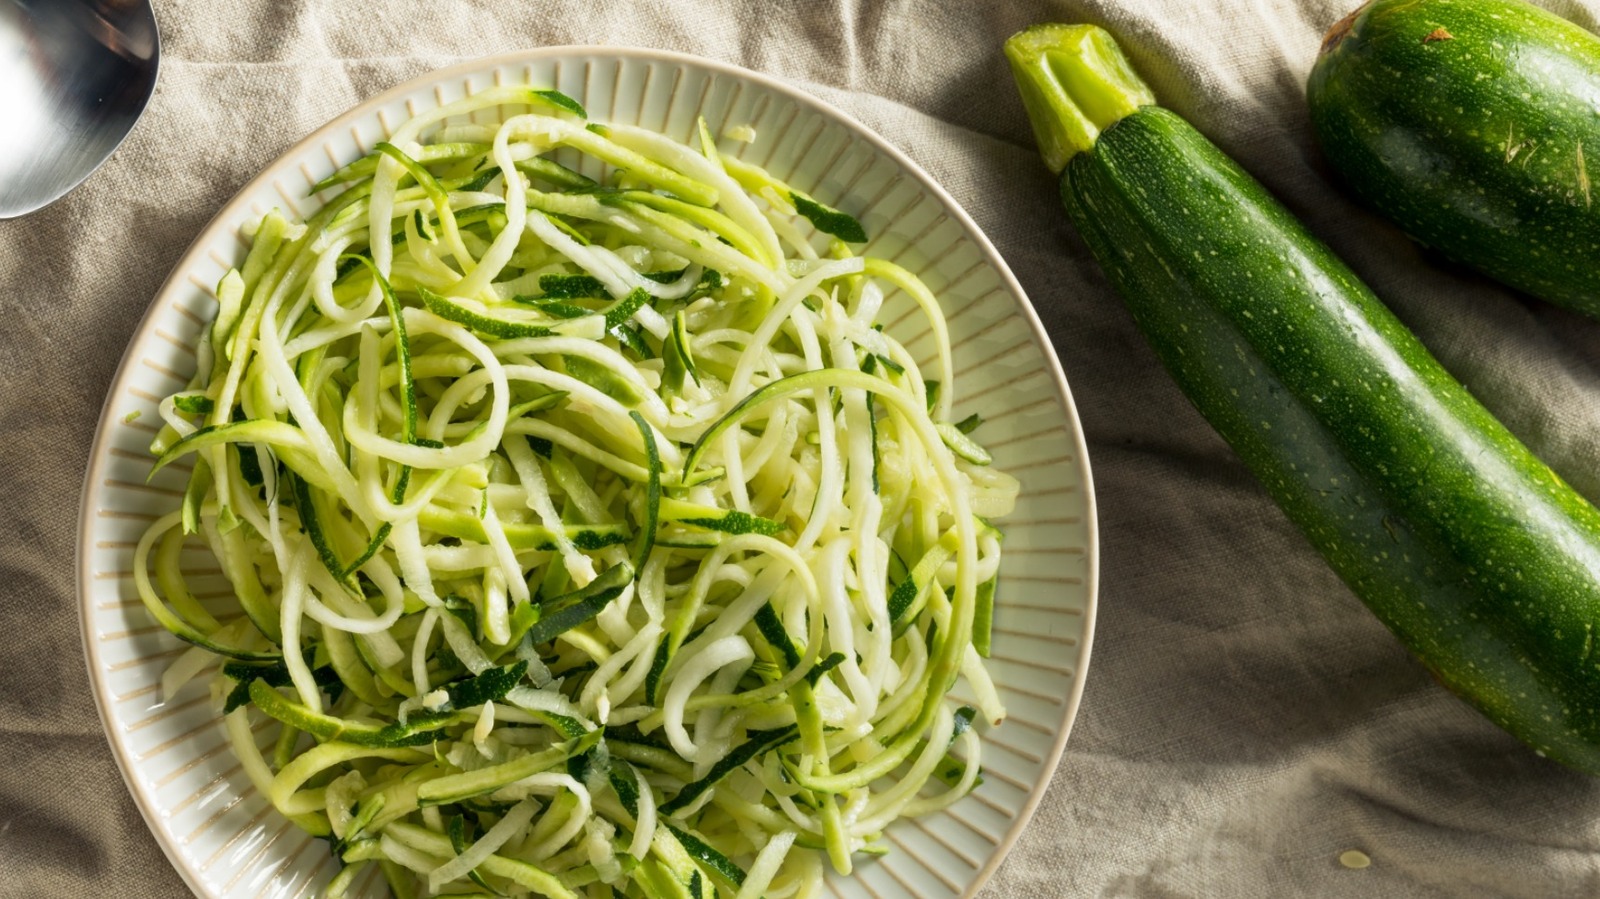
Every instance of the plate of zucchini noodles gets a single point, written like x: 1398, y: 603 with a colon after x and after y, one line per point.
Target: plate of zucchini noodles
x: 584, y: 473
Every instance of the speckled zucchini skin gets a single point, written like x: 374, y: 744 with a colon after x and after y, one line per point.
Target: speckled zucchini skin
x: 1475, y: 126
x: 1482, y: 561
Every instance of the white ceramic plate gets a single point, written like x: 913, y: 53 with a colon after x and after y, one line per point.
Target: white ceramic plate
x: 226, y: 840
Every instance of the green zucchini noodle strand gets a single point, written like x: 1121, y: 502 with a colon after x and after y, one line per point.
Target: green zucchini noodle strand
x: 588, y: 536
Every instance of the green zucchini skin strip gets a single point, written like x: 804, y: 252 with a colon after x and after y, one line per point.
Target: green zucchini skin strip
x: 522, y: 536
x: 274, y: 675
x: 658, y: 668
x: 451, y: 310
x: 909, y: 597
x: 625, y: 783
x: 680, y: 364
x: 962, y: 445
x: 402, y: 345
x: 304, y: 503
x: 570, y: 287
x: 829, y: 220
x: 619, y: 314
x: 490, y: 686
x: 420, y: 729
x: 772, y: 631
x: 285, y: 440
x: 652, y: 500
x: 456, y: 830
x: 366, y: 165
x: 1472, y: 551
x: 567, y: 612
x: 560, y: 100
x: 555, y: 173
x: 702, y: 853
x: 756, y: 744
x: 424, y: 178
x: 456, y: 787
x: 727, y: 521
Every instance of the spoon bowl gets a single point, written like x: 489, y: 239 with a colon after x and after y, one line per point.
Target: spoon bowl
x: 77, y: 74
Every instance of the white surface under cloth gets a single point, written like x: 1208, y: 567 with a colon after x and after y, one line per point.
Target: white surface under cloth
x: 1246, y: 720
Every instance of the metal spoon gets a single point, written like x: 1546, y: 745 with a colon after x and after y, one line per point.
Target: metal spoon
x: 74, y: 77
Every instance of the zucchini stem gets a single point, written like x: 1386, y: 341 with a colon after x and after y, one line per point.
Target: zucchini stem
x: 1075, y: 83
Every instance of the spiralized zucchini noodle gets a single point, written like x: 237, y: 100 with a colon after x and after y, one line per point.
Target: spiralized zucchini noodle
x: 587, y: 536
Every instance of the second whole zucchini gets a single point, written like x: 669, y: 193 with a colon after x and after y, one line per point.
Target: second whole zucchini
x: 1474, y: 125
x: 1473, y: 552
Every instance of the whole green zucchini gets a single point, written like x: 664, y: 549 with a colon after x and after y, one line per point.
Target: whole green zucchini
x: 1482, y: 561
x: 1475, y: 126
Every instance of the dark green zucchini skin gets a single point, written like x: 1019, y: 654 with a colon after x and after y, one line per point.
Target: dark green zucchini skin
x: 1471, y: 550
x: 1474, y: 125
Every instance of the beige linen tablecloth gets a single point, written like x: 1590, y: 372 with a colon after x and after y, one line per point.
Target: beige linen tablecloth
x: 1246, y: 720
